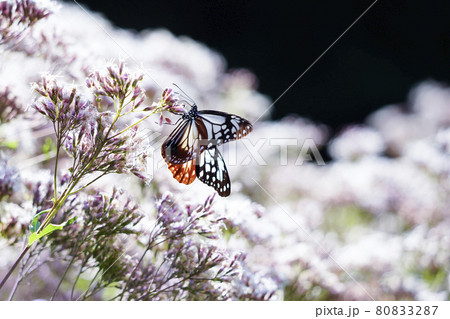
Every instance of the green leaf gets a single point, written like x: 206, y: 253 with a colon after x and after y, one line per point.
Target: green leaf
x: 48, y: 230
x: 34, y: 225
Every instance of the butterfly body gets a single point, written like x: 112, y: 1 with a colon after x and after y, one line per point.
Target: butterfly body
x: 191, y: 149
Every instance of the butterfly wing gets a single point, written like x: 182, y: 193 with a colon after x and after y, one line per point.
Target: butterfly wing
x: 211, y: 170
x: 182, y: 145
x: 184, y: 173
x: 191, y: 149
x: 222, y: 127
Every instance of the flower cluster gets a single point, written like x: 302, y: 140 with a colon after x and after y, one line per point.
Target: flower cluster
x: 14, y: 222
x: 95, y: 140
x: 63, y: 107
x: 356, y: 142
x: 16, y: 17
x: 117, y: 84
x: 181, y: 262
x: 9, y: 107
x: 170, y: 101
x: 370, y: 224
x: 190, y: 264
x: 10, y: 181
x: 98, y: 246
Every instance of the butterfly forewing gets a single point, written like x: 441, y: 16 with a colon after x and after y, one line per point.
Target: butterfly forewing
x: 211, y: 170
x: 182, y: 145
x: 201, y: 130
x: 191, y: 149
x: 223, y: 127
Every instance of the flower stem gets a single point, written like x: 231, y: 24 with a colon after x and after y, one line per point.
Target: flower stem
x: 132, y: 273
x: 55, y: 186
x: 24, y: 251
x: 136, y: 123
x: 66, y: 271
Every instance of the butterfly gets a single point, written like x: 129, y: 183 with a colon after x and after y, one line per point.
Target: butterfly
x: 190, y: 151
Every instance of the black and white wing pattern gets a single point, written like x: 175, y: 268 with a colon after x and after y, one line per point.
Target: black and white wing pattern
x: 191, y: 149
x: 212, y: 171
x: 224, y: 127
x: 200, y: 130
x: 183, y: 144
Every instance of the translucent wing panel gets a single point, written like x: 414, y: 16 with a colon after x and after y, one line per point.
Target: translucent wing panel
x: 193, y: 135
x: 190, y: 150
x: 182, y: 145
x: 223, y: 127
x: 212, y: 171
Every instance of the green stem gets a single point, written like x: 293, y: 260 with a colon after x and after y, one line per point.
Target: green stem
x: 58, y: 202
x: 81, y: 188
x: 136, y: 123
x: 55, y: 174
x: 55, y: 208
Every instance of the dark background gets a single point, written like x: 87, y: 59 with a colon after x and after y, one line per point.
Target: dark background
x: 396, y: 45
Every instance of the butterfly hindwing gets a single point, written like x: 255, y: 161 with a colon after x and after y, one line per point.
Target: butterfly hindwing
x: 184, y: 173
x: 191, y: 149
x: 212, y: 171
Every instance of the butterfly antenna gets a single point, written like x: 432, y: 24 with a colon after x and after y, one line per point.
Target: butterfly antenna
x: 185, y: 94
